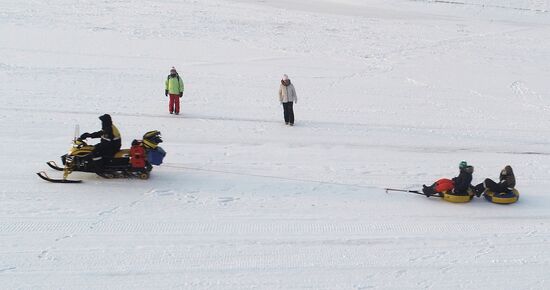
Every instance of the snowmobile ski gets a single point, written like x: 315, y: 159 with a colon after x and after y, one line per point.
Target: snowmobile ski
x: 45, y: 176
x: 54, y: 166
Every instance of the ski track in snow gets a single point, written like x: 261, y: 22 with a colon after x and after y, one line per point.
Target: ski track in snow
x: 392, y: 93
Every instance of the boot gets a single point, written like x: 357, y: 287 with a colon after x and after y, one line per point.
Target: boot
x: 479, y: 189
x: 428, y: 190
x: 98, y: 165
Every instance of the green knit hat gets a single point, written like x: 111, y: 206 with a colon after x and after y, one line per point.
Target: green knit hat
x: 463, y: 164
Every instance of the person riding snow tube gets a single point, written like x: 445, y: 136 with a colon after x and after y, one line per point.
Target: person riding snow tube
x: 503, y: 192
x: 455, y: 190
x: 110, y: 142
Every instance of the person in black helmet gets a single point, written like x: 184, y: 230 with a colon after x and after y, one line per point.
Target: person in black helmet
x: 110, y: 142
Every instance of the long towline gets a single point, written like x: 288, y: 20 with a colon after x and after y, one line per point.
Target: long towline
x: 269, y: 176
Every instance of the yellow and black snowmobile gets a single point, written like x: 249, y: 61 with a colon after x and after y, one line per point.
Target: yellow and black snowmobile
x: 137, y: 161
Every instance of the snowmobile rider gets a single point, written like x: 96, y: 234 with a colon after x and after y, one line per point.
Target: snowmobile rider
x: 507, y: 181
x: 458, y: 185
x: 110, y: 142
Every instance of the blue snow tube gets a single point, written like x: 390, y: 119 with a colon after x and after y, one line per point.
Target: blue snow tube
x: 507, y: 197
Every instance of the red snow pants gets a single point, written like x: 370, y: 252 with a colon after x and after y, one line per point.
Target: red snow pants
x: 174, y: 105
x: 444, y: 184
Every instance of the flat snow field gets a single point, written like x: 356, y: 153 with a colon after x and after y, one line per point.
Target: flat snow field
x: 392, y: 93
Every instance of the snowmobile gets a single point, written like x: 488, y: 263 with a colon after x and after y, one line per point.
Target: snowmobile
x: 137, y: 161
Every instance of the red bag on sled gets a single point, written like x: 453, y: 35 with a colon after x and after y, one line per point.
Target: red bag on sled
x: 137, y: 156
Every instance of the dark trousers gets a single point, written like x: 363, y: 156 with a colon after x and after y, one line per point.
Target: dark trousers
x: 104, y: 149
x: 493, y: 186
x: 288, y: 112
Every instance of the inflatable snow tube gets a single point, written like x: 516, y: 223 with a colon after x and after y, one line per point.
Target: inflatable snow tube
x: 457, y: 198
x: 508, y: 197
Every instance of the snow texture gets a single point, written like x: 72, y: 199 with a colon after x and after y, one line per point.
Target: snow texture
x: 393, y: 93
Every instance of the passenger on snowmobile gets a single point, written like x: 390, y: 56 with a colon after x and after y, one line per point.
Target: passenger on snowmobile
x: 458, y: 185
x: 507, y: 181
x: 110, y: 141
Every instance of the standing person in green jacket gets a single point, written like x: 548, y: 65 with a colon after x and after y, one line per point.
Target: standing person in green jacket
x: 174, y: 88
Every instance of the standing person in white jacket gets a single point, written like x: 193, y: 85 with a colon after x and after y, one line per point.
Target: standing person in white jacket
x: 287, y: 97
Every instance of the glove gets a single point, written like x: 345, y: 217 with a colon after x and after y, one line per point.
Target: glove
x: 84, y: 136
x: 166, y: 93
x: 181, y: 95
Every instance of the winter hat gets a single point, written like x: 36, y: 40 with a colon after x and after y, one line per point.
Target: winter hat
x: 173, y: 69
x: 463, y: 164
x: 285, y: 77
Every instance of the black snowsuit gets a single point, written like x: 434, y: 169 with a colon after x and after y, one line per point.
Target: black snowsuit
x: 110, y: 142
x: 507, y: 181
x: 463, y: 180
x: 110, y: 138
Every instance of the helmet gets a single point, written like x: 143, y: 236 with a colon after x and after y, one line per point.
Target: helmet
x: 105, y: 118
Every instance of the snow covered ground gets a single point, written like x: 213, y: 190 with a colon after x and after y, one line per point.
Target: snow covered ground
x: 392, y: 93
